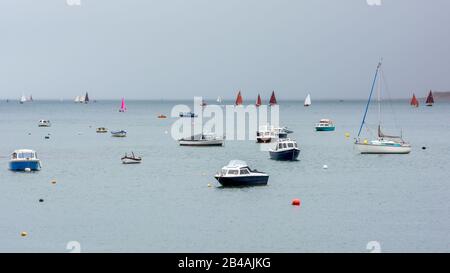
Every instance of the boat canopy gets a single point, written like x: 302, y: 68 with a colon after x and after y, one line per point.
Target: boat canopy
x: 23, y: 153
x: 325, y: 121
x: 236, y: 164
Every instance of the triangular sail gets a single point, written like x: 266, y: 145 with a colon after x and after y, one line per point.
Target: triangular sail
x: 430, y: 99
x: 86, y: 98
x: 123, y: 108
x: 273, y: 99
x: 414, y: 102
x: 308, y: 100
x: 381, y: 135
x: 239, y: 100
x: 219, y: 99
x: 258, y: 101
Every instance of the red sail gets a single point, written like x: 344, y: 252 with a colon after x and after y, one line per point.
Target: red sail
x: 239, y: 99
x: 258, y: 101
x: 273, y: 100
x: 414, y: 101
x: 430, y: 99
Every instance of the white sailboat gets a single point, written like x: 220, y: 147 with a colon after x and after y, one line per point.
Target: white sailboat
x: 308, y: 100
x: 77, y: 99
x: 384, y: 144
x: 219, y: 99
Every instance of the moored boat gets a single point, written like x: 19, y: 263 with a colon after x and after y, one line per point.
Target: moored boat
x: 238, y: 174
x: 123, y: 107
x: 258, y: 101
x: 267, y: 134
x: 202, y: 140
x: 239, y: 99
x: 384, y: 144
x: 24, y: 160
x: 44, y: 123
x: 131, y: 159
x: 273, y: 99
x: 325, y: 125
x: 188, y: 115
x: 121, y: 133
x: 285, y: 149
x: 101, y: 130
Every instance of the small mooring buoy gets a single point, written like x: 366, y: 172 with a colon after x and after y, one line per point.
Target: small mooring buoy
x: 209, y: 185
x: 424, y: 148
x: 325, y: 167
x: 296, y: 202
x: 24, y: 234
x: 53, y: 181
x: 347, y: 135
x: 28, y: 170
x: 41, y: 200
x: 47, y: 137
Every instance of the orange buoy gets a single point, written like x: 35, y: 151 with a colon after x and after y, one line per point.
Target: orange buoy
x: 296, y: 202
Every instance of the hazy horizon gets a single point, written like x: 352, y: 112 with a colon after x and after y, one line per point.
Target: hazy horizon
x: 177, y: 49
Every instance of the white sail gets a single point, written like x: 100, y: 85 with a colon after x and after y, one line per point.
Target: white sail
x: 23, y: 99
x: 308, y: 100
x: 82, y: 98
x: 219, y: 99
x: 77, y: 99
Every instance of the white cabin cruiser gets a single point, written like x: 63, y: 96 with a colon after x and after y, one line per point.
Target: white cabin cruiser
x: 286, y: 149
x: 267, y: 134
x: 202, y: 140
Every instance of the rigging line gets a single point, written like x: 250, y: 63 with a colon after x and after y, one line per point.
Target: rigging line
x: 370, y: 96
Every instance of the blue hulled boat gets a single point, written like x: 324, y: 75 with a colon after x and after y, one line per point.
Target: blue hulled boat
x: 24, y: 160
x: 285, y: 149
x: 238, y: 174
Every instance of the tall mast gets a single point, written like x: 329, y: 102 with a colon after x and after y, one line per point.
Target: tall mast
x: 370, y: 96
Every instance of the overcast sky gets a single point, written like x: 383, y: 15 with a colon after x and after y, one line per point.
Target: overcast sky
x: 175, y: 49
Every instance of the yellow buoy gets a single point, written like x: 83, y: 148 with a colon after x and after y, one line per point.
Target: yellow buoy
x: 54, y: 181
x: 209, y: 185
x: 347, y: 135
x: 23, y: 234
x: 366, y: 141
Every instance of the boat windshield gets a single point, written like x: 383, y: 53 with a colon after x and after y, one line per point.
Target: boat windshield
x: 233, y: 172
x: 244, y: 171
x: 25, y: 155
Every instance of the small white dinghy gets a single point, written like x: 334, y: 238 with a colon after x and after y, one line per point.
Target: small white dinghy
x: 44, y: 123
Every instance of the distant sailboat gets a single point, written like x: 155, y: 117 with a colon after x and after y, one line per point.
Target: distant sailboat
x: 77, y: 99
x: 30, y: 98
x: 123, y: 108
x: 86, y: 98
x: 258, y: 101
x: 239, y: 100
x: 308, y: 100
x: 219, y: 99
x: 273, y: 100
x: 414, y: 102
x: 430, y: 99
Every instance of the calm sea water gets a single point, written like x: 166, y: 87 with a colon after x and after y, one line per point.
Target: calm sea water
x: 165, y: 204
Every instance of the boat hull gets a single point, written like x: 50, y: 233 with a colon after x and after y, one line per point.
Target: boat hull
x: 243, y: 181
x: 201, y: 143
x: 288, y: 155
x: 325, y: 129
x: 131, y: 161
x: 382, y: 149
x: 18, y: 166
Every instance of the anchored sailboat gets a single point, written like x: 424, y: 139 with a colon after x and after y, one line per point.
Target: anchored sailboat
x: 258, y: 101
x: 384, y: 144
x: 23, y: 99
x: 308, y: 100
x: 219, y: 99
x: 86, y: 98
x: 123, y: 108
x: 239, y: 100
x: 414, y: 102
x: 430, y: 99
x: 273, y: 100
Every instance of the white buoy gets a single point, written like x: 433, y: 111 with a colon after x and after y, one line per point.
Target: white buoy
x: 27, y: 169
x: 325, y: 167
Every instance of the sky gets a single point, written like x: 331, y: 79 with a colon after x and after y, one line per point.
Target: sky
x: 177, y: 49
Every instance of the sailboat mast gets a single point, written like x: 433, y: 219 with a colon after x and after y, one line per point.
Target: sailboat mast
x: 379, y: 98
x: 370, y: 97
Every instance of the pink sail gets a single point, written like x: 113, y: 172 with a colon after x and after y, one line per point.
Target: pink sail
x: 123, y: 108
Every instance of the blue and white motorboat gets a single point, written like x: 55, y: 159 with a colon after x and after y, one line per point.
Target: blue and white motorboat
x: 325, y: 125
x: 120, y: 133
x: 24, y: 160
x: 238, y: 174
x: 286, y: 149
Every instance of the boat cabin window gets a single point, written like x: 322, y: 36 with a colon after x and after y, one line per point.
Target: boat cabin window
x: 26, y: 155
x: 290, y: 145
x: 295, y: 145
x: 284, y: 145
x: 280, y: 146
x: 244, y: 171
x: 234, y: 172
